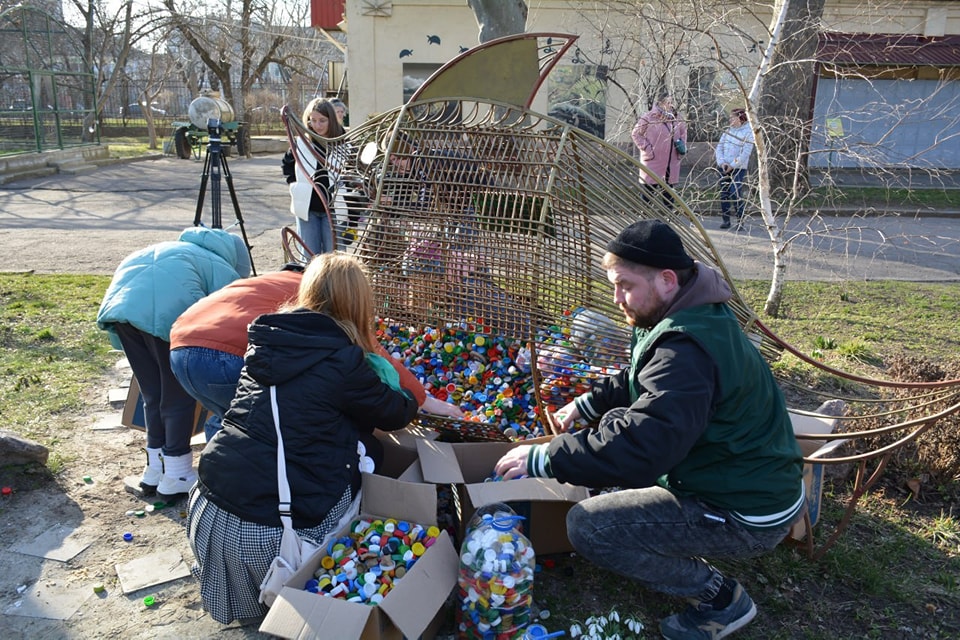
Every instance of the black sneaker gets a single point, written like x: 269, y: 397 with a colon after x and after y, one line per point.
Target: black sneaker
x: 702, y: 622
x: 725, y: 225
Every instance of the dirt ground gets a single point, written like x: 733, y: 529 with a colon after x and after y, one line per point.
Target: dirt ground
x: 94, y: 513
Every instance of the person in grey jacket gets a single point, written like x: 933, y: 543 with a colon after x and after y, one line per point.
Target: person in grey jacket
x: 148, y: 292
x: 694, y: 431
x: 732, y: 156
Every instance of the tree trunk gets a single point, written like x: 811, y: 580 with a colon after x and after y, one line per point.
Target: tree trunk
x: 786, y: 97
x: 499, y: 18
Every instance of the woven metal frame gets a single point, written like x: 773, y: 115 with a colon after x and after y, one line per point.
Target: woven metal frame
x: 484, y: 231
x: 488, y: 218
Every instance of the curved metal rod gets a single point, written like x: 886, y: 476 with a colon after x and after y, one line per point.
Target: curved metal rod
x: 850, y: 376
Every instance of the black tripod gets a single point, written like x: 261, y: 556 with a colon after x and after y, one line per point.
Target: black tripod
x: 214, y: 161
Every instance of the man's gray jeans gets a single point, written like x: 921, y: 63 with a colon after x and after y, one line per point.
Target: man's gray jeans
x: 660, y: 540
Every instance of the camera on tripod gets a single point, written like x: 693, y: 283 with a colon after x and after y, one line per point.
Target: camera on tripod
x: 214, y: 129
x: 215, y: 165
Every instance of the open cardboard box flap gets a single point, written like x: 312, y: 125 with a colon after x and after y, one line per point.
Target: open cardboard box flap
x: 407, y: 611
x: 814, y: 425
x: 471, y: 463
x: 429, y: 584
x: 544, y: 502
x: 301, y: 614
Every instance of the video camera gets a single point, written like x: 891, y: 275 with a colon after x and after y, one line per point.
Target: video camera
x: 215, y: 130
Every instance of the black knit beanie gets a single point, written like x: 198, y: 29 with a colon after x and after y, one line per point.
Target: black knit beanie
x: 652, y: 243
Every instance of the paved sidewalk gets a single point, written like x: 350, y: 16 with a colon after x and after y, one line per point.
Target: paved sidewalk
x: 88, y: 223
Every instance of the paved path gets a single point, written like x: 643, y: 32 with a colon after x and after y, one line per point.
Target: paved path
x: 89, y: 222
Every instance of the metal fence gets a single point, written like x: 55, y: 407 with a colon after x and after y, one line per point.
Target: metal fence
x: 46, y: 95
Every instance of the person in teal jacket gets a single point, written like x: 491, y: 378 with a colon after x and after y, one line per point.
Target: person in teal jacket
x: 694, y: 432
x: 149, y: 291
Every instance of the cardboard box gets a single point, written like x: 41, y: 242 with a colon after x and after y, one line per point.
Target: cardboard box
x: 400, y: 451
x: 812, y: 471
x: 133, y: 417
x: 415, y: 606
x: 543, y: 501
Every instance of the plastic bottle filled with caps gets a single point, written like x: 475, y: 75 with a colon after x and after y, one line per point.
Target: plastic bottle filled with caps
x: 495, y: 580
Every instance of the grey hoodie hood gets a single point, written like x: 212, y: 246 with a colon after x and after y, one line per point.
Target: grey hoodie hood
x: 707, y: 286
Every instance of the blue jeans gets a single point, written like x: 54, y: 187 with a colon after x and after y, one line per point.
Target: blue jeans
x: 167, y: 407
x: 316, y: 232
x: 210, y: 376
x: 731, y: 195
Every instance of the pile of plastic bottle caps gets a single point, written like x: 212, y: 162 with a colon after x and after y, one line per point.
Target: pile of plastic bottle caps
x: 489, y: 376
x: 363, y: 565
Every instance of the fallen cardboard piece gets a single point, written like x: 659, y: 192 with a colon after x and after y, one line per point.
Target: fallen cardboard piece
x: 151, y: 570
x: 60, y: 542
x: 813, y: 473
x: 108, y: 423
x: 50, y: 600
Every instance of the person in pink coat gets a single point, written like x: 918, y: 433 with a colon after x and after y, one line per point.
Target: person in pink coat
x: 661, y: 137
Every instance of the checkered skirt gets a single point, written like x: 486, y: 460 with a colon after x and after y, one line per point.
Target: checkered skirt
x: 233, y: 555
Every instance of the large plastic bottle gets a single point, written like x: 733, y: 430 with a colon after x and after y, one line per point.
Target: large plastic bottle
x: 495, y: 582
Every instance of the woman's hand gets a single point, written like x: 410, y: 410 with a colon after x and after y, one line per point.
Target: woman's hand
x: 440, y: 408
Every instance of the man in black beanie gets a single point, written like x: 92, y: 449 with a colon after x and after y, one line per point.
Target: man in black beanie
x: 694, y: 431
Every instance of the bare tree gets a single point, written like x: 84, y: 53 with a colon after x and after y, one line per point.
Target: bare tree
x: 237, y: 41
x: 733, y: 55
x: 110, y: 33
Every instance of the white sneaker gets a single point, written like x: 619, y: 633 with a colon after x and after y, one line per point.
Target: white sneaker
x: 152, y: 473
x: 178, y: 477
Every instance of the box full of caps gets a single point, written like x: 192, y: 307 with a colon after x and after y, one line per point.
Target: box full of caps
x: 544, y: 502
x: 387, y: 576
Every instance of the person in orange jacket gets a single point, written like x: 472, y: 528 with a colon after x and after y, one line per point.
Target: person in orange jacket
x: 209, y: 339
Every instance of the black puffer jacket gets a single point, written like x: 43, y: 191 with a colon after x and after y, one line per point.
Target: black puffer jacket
x: 328, y: 397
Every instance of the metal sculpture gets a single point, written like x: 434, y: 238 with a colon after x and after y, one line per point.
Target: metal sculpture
x: 485, y: 229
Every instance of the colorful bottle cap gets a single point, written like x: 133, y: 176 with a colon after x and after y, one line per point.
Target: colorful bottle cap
x: 128, y: 536
x: 149, y: 601
x: 99, y: 588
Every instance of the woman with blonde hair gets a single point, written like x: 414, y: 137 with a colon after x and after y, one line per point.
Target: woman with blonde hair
x: 330, y: 397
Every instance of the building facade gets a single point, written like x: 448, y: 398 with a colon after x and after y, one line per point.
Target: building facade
x: 628, y: 52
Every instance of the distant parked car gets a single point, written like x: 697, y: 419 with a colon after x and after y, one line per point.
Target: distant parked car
x: 136, y: 111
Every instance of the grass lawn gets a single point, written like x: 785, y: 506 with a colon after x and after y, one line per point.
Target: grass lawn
x: 894, y: 574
